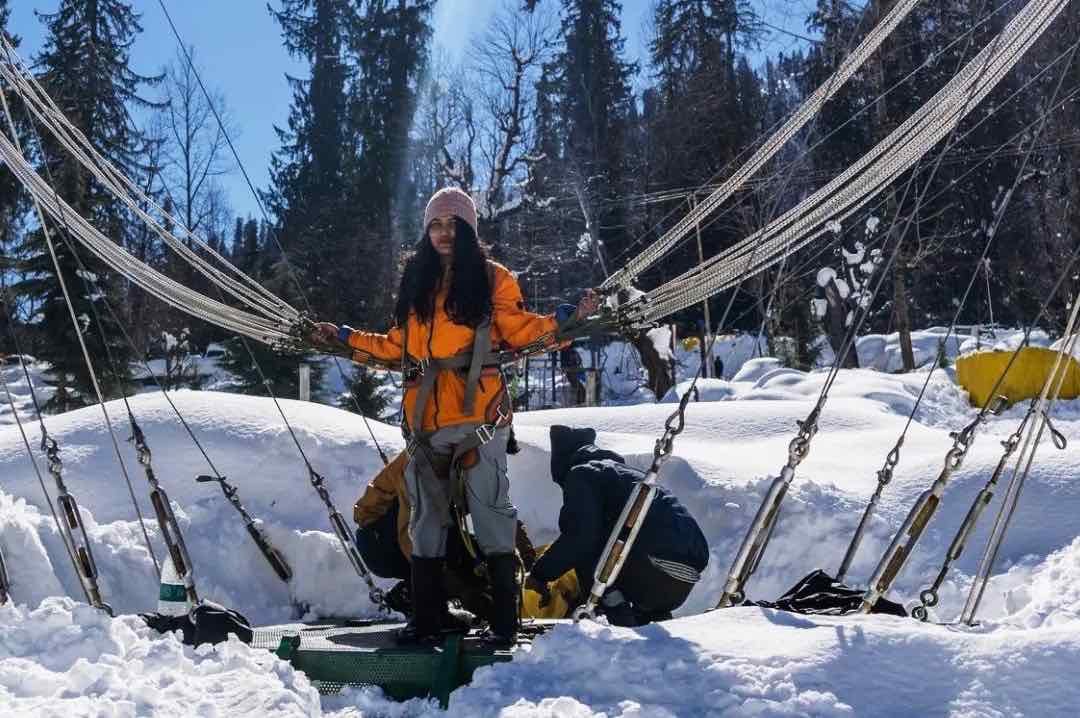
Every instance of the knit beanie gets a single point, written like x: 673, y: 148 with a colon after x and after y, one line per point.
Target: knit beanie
x: 451, y: 201
x: 565, y: 441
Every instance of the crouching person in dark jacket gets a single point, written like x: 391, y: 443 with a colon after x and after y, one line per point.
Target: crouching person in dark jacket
x: 666, y: 560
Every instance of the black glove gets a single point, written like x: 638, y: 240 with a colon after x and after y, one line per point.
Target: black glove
x: 532, y: 583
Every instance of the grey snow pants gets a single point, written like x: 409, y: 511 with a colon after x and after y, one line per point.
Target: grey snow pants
x: 487, y: 491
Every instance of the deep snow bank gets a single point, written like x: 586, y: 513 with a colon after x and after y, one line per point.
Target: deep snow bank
x: 248, y: 443
x: 68, y: 659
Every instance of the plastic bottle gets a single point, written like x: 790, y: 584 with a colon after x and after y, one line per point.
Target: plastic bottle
x: 172, y: 597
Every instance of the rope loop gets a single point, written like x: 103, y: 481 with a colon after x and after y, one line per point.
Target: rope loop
x: 1056, y: 436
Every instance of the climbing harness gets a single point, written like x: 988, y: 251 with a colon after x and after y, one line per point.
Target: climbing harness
x: 273, y: 556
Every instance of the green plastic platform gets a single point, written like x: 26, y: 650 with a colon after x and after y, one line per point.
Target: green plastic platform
x: 334, y: 655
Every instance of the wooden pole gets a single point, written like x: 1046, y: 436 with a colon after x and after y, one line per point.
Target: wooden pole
x: 706, y: 348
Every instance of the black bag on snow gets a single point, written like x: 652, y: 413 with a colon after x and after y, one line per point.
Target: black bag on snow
x: 819, y: 593
x: 209, y: 622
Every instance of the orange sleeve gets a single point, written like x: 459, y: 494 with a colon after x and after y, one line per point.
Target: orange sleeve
x: 379, y: 495
x: 386, y: 347
x: 516, y: 326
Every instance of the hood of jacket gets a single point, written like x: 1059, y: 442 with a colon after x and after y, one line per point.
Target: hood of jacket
x: 573, y: 446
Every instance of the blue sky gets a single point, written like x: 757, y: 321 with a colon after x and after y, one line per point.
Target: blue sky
x: 238, y: 48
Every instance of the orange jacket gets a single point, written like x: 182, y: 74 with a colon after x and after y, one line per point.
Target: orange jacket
x: 511, y: 327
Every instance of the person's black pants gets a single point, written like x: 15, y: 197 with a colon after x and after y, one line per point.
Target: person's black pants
x: 379, y: 547
x: 649, y: 589
x: 652, y: 592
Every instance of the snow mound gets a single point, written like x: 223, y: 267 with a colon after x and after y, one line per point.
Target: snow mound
x: 1050, y: 595
x: 250, y: 445
x: 756, y: 368
x: 760, y: 662
x: 68, y: 659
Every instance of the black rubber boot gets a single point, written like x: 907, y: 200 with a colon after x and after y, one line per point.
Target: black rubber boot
x: 428, y: 603
x: 506, y: 597
x: 399, y: 598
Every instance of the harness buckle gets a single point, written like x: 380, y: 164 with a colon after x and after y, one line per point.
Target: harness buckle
x: 486, y: 432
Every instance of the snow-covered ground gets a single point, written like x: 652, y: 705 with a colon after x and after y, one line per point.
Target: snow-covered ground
x: 58, y: 657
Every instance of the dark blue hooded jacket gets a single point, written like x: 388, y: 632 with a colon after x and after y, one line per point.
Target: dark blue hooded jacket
x: 596, y: 484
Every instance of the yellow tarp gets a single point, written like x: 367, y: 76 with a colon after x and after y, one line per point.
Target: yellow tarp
x: 979, y: 372
x: 563, y: 590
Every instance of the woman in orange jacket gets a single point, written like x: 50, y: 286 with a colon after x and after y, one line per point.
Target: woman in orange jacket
x: 454, y: 307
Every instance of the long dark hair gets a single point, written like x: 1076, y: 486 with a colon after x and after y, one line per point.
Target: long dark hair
x: 469, y: 300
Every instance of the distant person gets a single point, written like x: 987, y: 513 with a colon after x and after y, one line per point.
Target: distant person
x: 664, y: 563
x: 570, y: 361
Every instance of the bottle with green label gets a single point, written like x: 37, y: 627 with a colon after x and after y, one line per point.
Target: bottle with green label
x: 172, y: 597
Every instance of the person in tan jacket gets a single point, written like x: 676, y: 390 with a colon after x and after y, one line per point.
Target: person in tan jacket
x: 382, y: 515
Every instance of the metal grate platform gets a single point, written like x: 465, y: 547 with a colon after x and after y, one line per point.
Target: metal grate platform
x: 359, y: 653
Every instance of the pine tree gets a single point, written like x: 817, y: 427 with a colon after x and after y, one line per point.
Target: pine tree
x: 311, y: 193
x: 84, y: 66
x: 364, y: 394
x: 390, y: 47
x: 707, y: 108
x: 250, y: 362
x: 593, y: 99
x: 12, y: 210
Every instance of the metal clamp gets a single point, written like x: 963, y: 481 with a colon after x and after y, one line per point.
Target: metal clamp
x: 798, y: 449
x: 954, y: 457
